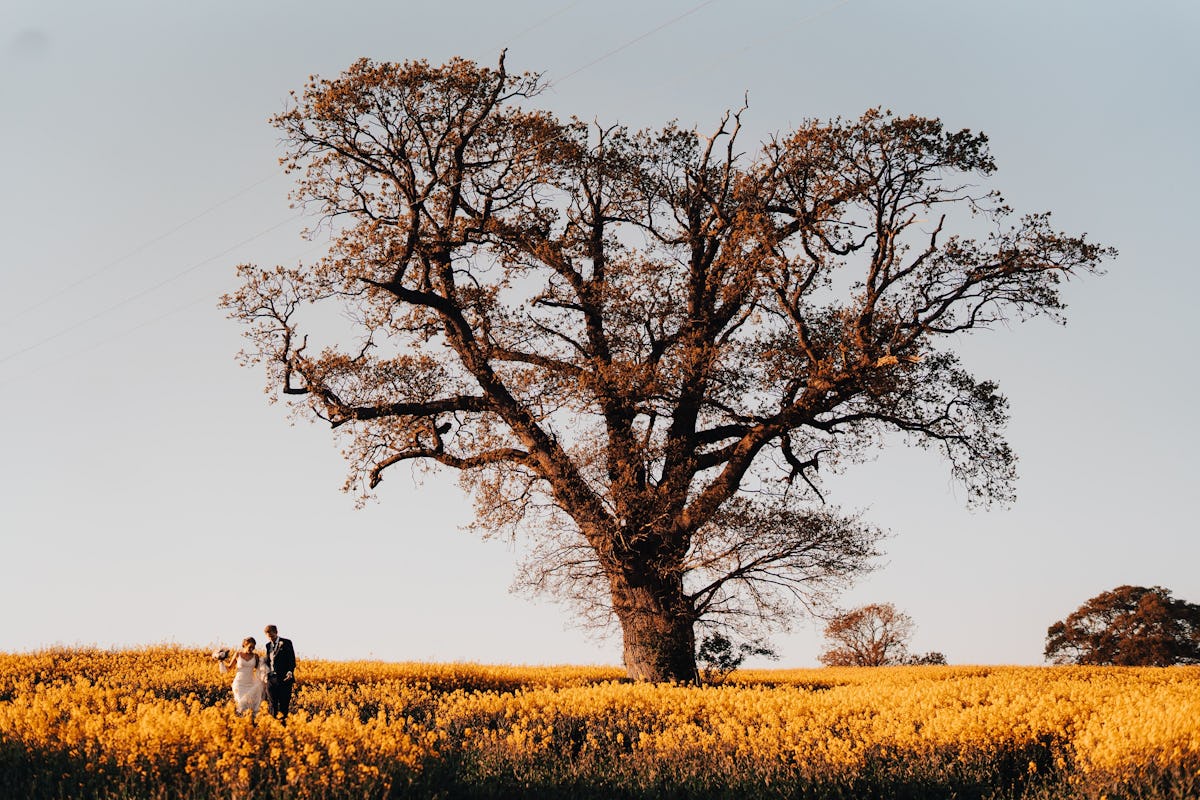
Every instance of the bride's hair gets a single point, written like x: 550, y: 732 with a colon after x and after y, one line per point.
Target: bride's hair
x: 249, y: 640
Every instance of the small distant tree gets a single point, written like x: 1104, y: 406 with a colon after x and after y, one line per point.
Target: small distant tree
x: 1130, y: 626
x: 874, y: 635
x: 930, y: 659
x: 718, y: 656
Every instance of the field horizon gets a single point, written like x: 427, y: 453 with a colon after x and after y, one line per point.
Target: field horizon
x: 158, y: 722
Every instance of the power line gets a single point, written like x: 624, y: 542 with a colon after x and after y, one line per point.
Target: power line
x: 104, y: 268
x: 634, y: 41
x: 54, y: 295
x: 12, y: 318
x: 146, y: 291
x: 100, y: 343
x: 776, y: 32
x: 543, y: 21
x: 96, y: 345
x: 239, y: 193
x: 713, y: 64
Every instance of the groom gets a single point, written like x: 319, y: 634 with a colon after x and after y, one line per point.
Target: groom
x: 281, y: 666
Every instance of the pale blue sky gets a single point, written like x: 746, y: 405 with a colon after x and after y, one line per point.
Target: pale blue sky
x: 149, y: 493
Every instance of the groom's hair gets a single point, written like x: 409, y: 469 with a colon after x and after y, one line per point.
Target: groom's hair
x: 271, y: 629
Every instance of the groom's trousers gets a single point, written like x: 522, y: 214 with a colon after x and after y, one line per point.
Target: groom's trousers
x: 279, y: 694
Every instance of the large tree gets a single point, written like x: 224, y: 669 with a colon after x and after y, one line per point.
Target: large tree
x: 1129, y: 626
x: 637, y: 346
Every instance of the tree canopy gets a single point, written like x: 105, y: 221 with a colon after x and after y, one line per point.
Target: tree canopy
x: 637, y: 347
x: 1129, y: 626
x: 874, y: 635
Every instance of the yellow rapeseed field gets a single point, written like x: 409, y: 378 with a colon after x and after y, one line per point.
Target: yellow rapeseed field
x: 158, y: 723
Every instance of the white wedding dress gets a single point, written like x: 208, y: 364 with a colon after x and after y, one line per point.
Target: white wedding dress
x: 249, y: 683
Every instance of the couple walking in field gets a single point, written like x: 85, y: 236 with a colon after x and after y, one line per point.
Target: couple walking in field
x: 257, y: 678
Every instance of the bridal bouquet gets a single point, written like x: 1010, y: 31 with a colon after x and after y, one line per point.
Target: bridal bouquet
x: 220, y: 654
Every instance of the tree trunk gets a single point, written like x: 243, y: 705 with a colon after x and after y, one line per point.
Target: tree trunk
x: 657, y: 625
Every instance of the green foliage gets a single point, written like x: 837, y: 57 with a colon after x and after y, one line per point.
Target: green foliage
x: 718, y: 656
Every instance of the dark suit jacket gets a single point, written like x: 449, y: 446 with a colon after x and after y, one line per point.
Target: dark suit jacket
x: 281, y: 656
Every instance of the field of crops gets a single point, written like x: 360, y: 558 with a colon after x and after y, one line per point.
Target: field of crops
x: 158, y: 723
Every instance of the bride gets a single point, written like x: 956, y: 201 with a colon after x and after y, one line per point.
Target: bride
x: 249, y: 679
